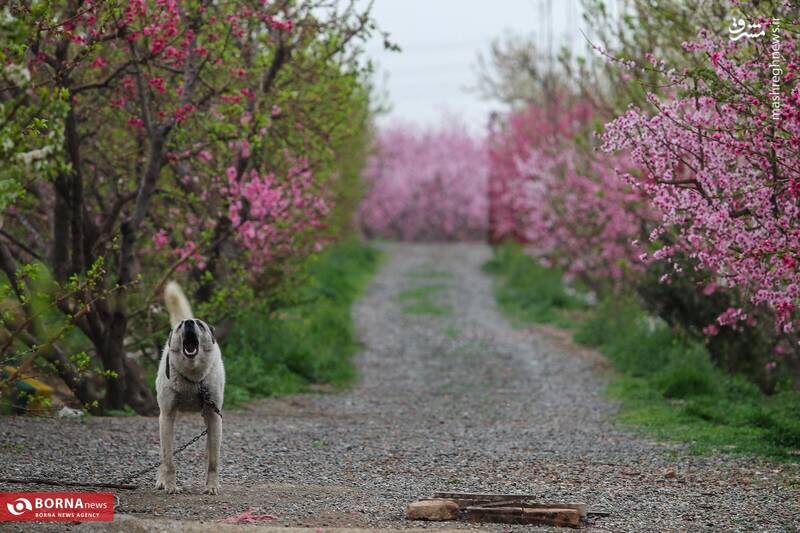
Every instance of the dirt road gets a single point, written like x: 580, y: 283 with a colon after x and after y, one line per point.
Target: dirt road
x: 450, y: 397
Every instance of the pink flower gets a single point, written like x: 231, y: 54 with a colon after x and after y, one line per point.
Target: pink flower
x: 709, y: 289
x: 230, y: 172
x: 160, y: 239
x: 731, y: 316
x: 157, y: 83
x: 286, y: 25
x: 183, y: 112
x: 279, y: 211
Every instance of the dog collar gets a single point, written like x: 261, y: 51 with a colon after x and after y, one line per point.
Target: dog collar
x: 202, y: 391
x: 200, y: 382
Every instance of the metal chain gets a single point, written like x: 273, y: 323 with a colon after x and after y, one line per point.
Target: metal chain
x: 205, y: 399
x: 143, y: 471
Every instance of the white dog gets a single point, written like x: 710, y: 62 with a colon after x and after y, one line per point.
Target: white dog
x: 190, y: 378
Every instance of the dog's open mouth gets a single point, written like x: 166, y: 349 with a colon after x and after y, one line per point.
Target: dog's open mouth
x: 190, y: 343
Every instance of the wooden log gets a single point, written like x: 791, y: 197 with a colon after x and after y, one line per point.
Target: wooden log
x: 467, y: 499
x: 503, y: 503
x: 550, y: 516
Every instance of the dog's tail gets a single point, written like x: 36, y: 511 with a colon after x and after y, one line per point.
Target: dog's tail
x: 177, y: 304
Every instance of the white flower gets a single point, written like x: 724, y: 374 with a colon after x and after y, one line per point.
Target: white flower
x: 34, y: 155
x: 7, y: 18
x: 18, y: 74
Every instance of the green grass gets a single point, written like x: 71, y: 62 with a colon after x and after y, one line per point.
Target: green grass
x: 664, y: 379
x: 419, y: 300
x: 452, y: 331
x: 312, y: 343
x: 427, y: 308
x: 421, y: 292
x: 544, y: 299
x: 428, y: 272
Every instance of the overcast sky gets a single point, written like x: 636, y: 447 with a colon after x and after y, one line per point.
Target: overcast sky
x: 441, y: 40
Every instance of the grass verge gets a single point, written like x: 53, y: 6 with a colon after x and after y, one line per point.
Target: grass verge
x: 420, y: 300
x: 310, y: 343
x: 665, y: 380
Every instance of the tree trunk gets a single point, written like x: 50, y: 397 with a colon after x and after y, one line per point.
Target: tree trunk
x: 113, y: 356
x: 128, y: 385
x: 59, y: 252
x: 138, y: 392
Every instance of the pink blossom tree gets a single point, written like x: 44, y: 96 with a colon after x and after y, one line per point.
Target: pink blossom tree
x: 426, y: 185
x: 191, y: 136
x: 552, y: 191
x: 722, y: 165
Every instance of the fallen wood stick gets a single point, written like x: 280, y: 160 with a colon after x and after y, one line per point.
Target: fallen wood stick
x: 517, y: 509
x: 470, y: 496
x: 41, y: 481
x: 504, y: 503
x: 467, y: 499
x: 562, y: 517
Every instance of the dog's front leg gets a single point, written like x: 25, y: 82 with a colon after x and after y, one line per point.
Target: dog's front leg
x: 214, y: 426
x: 166, y: 472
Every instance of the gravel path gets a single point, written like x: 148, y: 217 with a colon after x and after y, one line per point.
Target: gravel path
x: 457, y: 401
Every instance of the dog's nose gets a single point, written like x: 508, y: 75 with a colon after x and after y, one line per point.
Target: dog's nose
x: 188, y: 325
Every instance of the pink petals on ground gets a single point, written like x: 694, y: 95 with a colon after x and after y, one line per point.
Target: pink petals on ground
x: 248, y: 517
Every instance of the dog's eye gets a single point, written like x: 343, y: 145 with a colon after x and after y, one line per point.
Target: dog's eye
x: 200, y: 324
